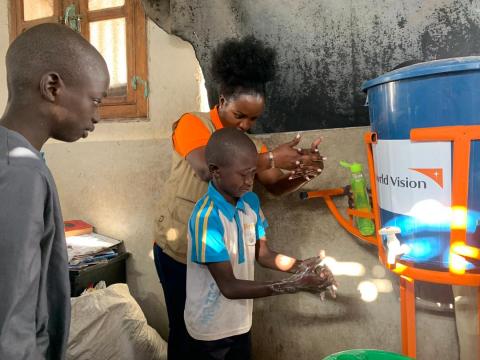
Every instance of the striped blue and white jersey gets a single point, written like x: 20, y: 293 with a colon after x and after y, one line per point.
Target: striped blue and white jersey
x: 219, y: 231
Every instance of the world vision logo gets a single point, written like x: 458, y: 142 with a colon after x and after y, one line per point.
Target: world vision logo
x: 436, y: 174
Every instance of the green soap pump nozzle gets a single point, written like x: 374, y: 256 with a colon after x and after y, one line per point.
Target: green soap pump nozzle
x: 354, y: 167
x: 360, y: 197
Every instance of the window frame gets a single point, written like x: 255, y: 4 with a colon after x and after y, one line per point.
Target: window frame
x: 134, y: 105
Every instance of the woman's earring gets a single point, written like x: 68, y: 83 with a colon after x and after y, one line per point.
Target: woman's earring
x: 221, y: 101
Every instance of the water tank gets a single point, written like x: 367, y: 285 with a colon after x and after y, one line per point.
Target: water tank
x: 414, y: 179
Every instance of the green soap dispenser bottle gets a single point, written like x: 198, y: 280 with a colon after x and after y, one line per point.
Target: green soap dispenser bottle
x: 360, y: 197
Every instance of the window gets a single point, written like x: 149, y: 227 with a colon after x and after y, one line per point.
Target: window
x: 116, y: 28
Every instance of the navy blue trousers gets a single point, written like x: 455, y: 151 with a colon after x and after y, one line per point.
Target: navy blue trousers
x: 231, y: 348
x: 173, y: 277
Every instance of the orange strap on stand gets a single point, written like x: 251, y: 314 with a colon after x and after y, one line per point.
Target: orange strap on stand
x: 346, y: 224
x: 369, y: 139
x: 407, y: 303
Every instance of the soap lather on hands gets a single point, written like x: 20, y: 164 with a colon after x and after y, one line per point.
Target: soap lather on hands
x: 311, y: 275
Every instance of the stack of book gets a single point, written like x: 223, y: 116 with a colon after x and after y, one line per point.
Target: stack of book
x: 86, y: 248
x: 77, y: 227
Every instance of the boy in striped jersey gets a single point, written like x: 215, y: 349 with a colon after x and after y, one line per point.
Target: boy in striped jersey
x: 226, y: 235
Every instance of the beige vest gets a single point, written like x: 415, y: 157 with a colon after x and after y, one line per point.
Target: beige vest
x: 182, y: 190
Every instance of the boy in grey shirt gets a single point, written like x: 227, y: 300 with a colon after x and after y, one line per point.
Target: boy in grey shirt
x: 56, y: 81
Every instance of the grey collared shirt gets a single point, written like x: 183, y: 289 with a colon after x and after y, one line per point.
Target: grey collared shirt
x: 34, y: 284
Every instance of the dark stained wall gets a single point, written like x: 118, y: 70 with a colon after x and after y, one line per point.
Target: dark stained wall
x: 326, y: 48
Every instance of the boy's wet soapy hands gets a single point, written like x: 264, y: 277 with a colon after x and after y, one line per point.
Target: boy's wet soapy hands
x: 310, y: 264
x: 311, y: 275
x: 316, y: 265
x: 316, y: 280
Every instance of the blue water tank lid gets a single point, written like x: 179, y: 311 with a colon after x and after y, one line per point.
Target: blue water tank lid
x: 426, y: 68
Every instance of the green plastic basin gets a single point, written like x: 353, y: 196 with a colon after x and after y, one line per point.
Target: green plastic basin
x: 365, y: 354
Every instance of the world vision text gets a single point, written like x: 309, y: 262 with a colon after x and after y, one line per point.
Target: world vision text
x: 401, y: 182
